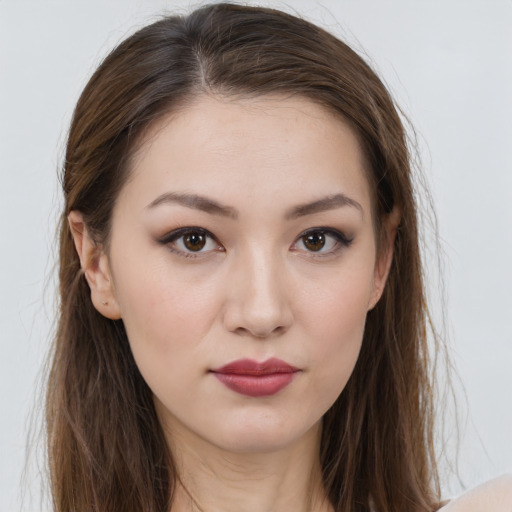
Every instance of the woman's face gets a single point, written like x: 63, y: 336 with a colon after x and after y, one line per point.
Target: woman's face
x: 243, y: 263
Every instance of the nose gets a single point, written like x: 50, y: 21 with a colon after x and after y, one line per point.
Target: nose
x: 258, y: 301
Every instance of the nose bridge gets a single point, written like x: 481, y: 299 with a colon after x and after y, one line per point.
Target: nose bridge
x: 259, y: 300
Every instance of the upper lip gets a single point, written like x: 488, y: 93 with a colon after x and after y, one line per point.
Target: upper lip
x: 251, y: 367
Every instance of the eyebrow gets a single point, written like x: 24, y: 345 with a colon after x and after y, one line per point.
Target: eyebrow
x: 196, y: 202
x: 321, y: 205
x: 213, y: 207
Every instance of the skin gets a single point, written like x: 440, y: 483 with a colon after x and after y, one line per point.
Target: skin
x: 492, y: 496
x: 254, y: 290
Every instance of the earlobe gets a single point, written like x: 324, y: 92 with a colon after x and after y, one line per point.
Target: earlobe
x: 385, y: 258
x: 95, y: 266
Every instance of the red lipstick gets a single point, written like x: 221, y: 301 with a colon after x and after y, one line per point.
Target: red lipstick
x: 253, y: 378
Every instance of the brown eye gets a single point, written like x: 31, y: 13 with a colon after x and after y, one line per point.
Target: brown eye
x: 191, y: 242
x: 314, y: 241
x: 321, y: 241
x: 194, y: 241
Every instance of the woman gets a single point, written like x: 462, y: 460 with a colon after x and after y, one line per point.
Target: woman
x: 243, y: 323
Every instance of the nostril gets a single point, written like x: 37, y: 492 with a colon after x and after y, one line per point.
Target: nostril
x: 255, y: 333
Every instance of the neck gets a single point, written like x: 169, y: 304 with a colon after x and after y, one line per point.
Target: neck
x: 213, y: 480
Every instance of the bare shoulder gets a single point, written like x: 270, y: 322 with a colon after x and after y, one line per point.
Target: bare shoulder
x: 493, y: 496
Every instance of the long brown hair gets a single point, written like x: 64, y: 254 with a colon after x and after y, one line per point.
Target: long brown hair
x: 106, y: 448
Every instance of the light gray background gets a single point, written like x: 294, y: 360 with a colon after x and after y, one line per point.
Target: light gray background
x: 449, y: 63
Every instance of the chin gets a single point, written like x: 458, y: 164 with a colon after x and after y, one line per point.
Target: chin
x: 263, y: 437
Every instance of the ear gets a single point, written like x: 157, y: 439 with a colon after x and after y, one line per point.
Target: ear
x: 384, y: 259
x: 95, y: 265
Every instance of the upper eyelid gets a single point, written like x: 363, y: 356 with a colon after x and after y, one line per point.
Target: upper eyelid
x: 342, y: 242
x: 171, y: 237
x: 179, y: 232
x: 327, y: 230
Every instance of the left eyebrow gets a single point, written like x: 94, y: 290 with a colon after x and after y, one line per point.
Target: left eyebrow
x: 322, y: 205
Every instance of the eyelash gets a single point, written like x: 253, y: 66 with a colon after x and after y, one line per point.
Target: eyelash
x: 175, y: 235
x: 342, y: 241
x: 340, y: 238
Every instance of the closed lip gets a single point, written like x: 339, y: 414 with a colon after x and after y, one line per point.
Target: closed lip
x: 256, y: 379
x: 254, y: 368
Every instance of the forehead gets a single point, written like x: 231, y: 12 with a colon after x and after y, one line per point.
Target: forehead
x: 282, y: 148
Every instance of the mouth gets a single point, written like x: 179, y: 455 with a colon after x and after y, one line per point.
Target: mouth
x: 256, y: 379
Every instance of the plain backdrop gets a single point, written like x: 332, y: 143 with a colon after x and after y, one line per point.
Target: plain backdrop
x: 448, y: 63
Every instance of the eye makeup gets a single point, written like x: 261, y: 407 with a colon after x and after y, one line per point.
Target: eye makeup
x: 196, y: 242
x: 191, y: 242
x: 322, y: 241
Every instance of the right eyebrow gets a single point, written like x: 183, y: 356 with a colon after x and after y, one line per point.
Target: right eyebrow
x: 195, y: 202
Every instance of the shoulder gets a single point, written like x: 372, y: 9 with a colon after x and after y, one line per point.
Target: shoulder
x: 493, y: 496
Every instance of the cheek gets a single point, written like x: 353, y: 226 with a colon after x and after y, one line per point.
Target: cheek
x: 336, y: 316
x: 339, y: 355
x: 166, y: 316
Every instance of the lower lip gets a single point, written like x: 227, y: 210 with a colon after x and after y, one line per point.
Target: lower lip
x: 256, y: 385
